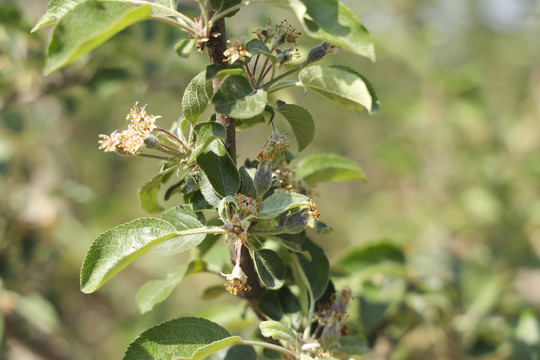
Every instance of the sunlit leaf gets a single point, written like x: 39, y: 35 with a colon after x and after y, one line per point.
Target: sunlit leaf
x: 332, y: 21
x: 148, y: 193
x: 277, y: 203
x: 155, y: 291
x: 341, y: 85
x: 180, y: 338
x: 196, y: 97
x: 182, y: 218
x: 87, y: 26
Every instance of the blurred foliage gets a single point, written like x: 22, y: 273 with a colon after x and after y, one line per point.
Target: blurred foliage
x: 452, y: 193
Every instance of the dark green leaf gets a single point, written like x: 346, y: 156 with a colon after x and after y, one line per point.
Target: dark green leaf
x: 196, y: 97
x: 155, y: 291
x: 221, y: 5
x: 87, y: 26
x: 221, y: 171
x: 235, y: 352
x: 182, y: 218
x: 328, y: 167
x: 317, y: 270
x: 340, y: 85
x: 180, y: 338
x: 300, y: 121
x: 236, y: 98
x: 209, y: 195
x: 270, y: 268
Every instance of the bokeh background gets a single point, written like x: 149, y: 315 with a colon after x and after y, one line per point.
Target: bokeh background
x: 452, y: 159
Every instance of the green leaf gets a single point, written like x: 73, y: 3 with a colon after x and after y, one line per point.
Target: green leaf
x: 207, y: 132
x: 277, y: 331
x: 301, y: 122
x: 235, y: 352
x: 196, y: 97
x: 207, y: 191
x: 182, y: 218
x: 332, y: 21
x: 220, y: 5
x: 328, y: 167
x: 184, y: 47
x: 220, y: 169
x: 277, y: 203
x: 221, y: 72
x: 180, y: 338
x: 246, y: 176
x: 155, y: 291
x: 341, y: 85
x: 87, y: 26
x: 362, y: 257
x: 116, y: 248
x: 56, y: 9
x: 148, y: 192
x: 270, y: 268
x: 317, y: 270
x: 171, y: 4
x: 256, y: 46
x: 236, y: 98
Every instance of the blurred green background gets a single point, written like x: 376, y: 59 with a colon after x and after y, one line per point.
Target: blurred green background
x: 452, y: 158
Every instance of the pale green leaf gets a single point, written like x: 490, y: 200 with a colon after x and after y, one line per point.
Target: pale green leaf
x: 221, y: 171
x: 301, y: 122
x: 196, y: 97
x: 155, y: 291
x: 207, y: 132
x: 270, y: 268
x: 205, y: 351
x: 178, y: 338
x: 277, y: 331
x: 277, y: 203
x: 87, y: 26
x: 182, y: 218
x: 339, y: 84
x: 372, y: 254
x: 328, y: 167
x: 56, y: 9
x: 184, y: 47
x: 236, y: 98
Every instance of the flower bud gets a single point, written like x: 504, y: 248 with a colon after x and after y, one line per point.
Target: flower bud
x: 263, y: 178
x: 318, y: 52
x: 330, y: 335
x: 296, y: 222
x: 151, y: 142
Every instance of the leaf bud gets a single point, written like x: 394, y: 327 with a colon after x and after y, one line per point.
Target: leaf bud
x: 296, y: 222
x: 151, y: 142
x: 318, y: 52
x: 263, y: 178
